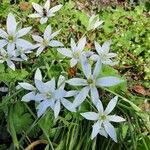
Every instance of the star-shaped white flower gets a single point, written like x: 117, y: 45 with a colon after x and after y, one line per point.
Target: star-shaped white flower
x: 8, y: 58
x: 103, y: 119
x: 76, y: 51
x: 22, y: 51
x: 91, y: 82
x: 62, y: 96
x: 48, y: 95
x: 57, y: 96
x: 44, y: 12
x: 13, y: 35
x: 103, y: 54
x: 94, y: 22
x: 46, y: 40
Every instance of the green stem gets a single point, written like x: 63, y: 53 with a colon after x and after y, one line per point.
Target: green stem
x: 50, y: 143
x: 136, y: 119
x: 123, y: 98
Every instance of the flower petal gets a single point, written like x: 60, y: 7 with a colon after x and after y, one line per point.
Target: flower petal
x: 73, y: 62
x: 55, y: 8
x: 11, y: 64
x: 68, y: 105
x: 3, y: 52
x: 43, y: 20
x: 73, y: 45
x: 50, y: 85
x: 111, y: 55
x: 106, y: 46
x: 115, y: 118
x: 26, y: 86
x: 47, y: 32
x: 77, y: 82
x: 35, y: 15
x: 28, y: 97
x: 11, y: 24
x: 38, y: 75
x: 71, y: 93
x: 65, y: 52
x: 110, y: 130
x: 37, y: 7
x: 108, y: 81
x: 3, y: 34
x: 100, y: 107
x: 94, y: 95
x: 11, y: 48
x: 37, y: 38
x: 55, y: 34
x: 97, y: 69
x: 111, y: 105
x: 23, y: 43
x: 57, y: 108
x: 41, y: 108
x: 96, y: 129
x: 81, y: 44
x: 3, y: 89
x: 47, y: 5
x: 61, y: 82
x: 103, y: 132
x: 90, y: 115
x: 40, y: 86
x: 3, y: 43
x: 98, y: 48
x: 86, y: 67
x: 39, y: 51
x: 54, y: 43
x: 23, y: 31
x: 79, y: 99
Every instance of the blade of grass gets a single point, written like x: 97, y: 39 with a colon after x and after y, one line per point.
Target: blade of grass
x: 12, y: 128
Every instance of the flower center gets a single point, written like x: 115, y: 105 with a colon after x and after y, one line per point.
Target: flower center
x: 90, y: 81
x: 103, y: 117
x: 76, y: 54
x: 44, y: 12
x: 45, y: 42
x: 10, y: 38
x: 48, y: 95
x: 104, y: 56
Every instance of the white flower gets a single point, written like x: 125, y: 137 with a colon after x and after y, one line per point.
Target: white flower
x: 21, y: 51
x: 94, y: 22
x: 46, y: 40
x: 44, y: 12
x: 3, y: 89
x: 103, y: 53
x: 56, y: 96
x: 61, y: 96
x: 13, y: 36
x: 33, y: 90
x: 8, y: 58
x: 91, y: 82
x: 47, y: 95
x: 76, y: 51
x: 103, y: 119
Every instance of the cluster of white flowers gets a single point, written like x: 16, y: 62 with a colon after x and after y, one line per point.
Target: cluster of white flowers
x: 52, y: 94
x: 48, y: 94
x: 12, y: 45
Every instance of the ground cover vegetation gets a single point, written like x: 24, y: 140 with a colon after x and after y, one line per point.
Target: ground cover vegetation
x: 74, y: 75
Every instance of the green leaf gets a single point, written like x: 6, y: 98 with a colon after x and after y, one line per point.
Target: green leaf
x: 20, y: 117
x: 11, y: 127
